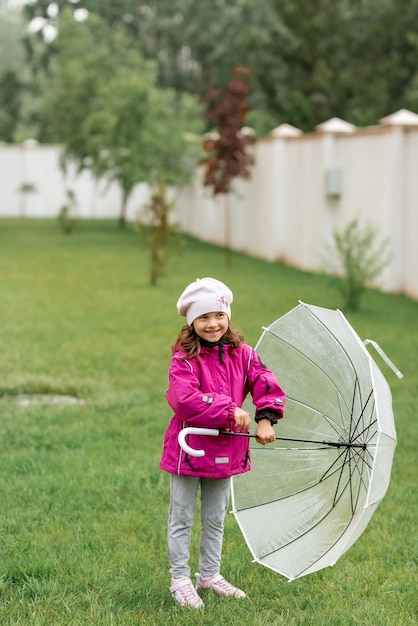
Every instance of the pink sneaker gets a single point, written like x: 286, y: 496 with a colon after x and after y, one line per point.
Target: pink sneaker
x: 219, y: 585
x: 185, y: 594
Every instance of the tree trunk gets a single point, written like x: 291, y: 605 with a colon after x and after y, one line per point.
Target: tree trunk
x: 122, y: 214
x: 227, y: 220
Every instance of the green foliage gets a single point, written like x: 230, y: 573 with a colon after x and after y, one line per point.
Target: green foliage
x: 10, y: 104
x: 12, y: 71
x: 163, y: 238
x: 360, y: 258
x: 26, y: 188
x: 66, y: 215
x: 316, y: 60
x: 180, y: 36
x: 104, y: 105
x: 311, y: 60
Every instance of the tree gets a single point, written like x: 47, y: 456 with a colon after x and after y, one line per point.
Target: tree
x: 227, y: 151
x: 104, y: 105
x: 178, y: 35
x: 12, y: 71
x: 10, y: 104
x: 162, y: 232
x: 312, y: 60
x: 316, y: 60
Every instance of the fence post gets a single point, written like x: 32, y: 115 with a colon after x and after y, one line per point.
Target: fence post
x: 398, y: 123
x: 279, y: 181
x: 333, y: 173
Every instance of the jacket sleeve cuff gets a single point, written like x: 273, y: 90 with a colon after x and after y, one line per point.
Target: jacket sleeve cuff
x: 265, y: 414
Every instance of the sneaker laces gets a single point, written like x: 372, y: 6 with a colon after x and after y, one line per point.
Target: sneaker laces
x: 185, y: 594
x: 219, y: 585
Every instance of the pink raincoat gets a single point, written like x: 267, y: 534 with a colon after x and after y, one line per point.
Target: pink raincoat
x: 204, y: 392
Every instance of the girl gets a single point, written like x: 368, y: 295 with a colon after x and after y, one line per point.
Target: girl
x: 212, y: 370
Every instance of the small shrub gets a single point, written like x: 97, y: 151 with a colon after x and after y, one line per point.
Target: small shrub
x: 66, y: 215
x: 25, y: 189
x: 358, y: 258
x: 163, y: 233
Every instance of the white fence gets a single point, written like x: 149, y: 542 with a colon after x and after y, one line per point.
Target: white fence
x: 303, y: 187
x: 30, y: 165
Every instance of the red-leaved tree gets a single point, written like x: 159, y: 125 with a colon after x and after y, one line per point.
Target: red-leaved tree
x: 227, y: 149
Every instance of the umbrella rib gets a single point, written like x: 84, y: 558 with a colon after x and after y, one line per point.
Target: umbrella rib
x: 363, y: 459
x: 340, y: 495
x: 305, y: 356
x: 328, y: 330
x: 324, y: 477
x: 352, y: 421
x: 339, y: 480
x: 367, y: 428
x: 371, y: 423
x: 362, y: 482
x: 354, y: 498
x: 334, y: 425
x: 326, y: 551
x: 359, y: 458
x: 320, y: 521
x: 363, y: 455
x: 278, y: 499
x: 353, y: 433
x: 314, y: 526
x: 328, y: 473
x: 361, y: 416
x: 348, y: 453
x: 338, y: 492
x: 340, y: 402
x: 311, y: 528
x: 349, y: 483
x: 356, y: 386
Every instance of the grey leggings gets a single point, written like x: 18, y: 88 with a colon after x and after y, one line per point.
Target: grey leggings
x: 214, y: 497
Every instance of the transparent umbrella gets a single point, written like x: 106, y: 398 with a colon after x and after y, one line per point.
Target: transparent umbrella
x: 310, y: 495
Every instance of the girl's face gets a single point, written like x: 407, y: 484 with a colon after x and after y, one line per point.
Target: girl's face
x: 211, y: 326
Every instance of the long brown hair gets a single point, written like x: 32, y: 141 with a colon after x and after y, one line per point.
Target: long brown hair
x: 188, y: 339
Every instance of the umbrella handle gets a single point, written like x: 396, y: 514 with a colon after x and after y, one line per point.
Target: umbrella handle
x: 384, y: 357
x: 191, y: 430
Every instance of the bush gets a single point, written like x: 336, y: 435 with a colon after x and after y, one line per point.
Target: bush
x: 359, y: 258
x: 66, y: 215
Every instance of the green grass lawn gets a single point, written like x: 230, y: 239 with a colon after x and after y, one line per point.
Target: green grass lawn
x: 83, y: 502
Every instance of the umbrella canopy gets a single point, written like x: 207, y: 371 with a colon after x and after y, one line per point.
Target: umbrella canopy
x: 304, y: 504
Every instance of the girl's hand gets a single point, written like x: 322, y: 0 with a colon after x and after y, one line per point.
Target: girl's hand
x: 265, y: 432
x: 242, y: 420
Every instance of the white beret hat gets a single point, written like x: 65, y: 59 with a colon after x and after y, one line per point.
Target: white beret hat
x: 205, y: 295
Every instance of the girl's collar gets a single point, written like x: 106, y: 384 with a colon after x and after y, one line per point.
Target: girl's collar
x: 219, y: 344
x: 213, y: 344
